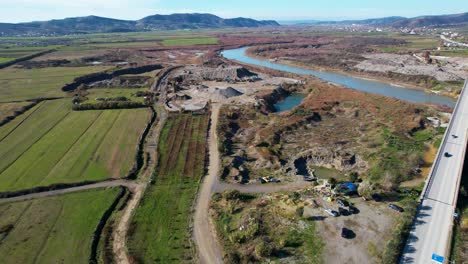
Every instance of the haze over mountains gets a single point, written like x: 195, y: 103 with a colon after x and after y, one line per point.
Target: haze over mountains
x: 398, y: 21
x: 95, y: 24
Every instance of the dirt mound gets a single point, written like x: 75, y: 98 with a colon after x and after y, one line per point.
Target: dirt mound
x: 229, y: 92
x: 224, y: 74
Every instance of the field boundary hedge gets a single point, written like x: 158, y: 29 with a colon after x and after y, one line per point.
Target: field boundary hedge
x: 25, y: 58
x: 108, y: 105
x: 53, y: 187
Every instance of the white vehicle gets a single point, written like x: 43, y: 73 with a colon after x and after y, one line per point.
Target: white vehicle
x: 332, y: 212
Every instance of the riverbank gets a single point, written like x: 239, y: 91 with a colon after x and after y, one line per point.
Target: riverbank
x: 353, y: 74
x: 345, y: 80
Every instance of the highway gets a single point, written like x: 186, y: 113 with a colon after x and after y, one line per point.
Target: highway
x: 430, y: 236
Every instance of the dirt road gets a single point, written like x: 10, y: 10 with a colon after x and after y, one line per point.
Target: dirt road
x: 209, y: 250
x: 105, y: 184
x: 263, y: 188
x: 120, y: 232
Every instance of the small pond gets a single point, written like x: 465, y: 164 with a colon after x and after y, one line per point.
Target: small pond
x: 289, y: 102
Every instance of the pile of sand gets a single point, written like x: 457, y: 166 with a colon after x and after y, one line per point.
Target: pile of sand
x: 231, y: 73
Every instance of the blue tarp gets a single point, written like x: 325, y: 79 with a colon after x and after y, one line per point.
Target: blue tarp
x: 350, y: 186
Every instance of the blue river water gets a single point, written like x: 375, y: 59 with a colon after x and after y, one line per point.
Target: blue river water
x: 370, y: 86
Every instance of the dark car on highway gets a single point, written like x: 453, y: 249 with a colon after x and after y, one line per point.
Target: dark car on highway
x: 396, y: 207
x: 447, y: 155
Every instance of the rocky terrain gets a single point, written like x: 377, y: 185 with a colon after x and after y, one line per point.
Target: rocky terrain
x: 448, y: 70
x: 257, y: 143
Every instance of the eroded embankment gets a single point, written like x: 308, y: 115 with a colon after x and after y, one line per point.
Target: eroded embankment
x: 139, y: 156
x: 102, y: 223
x: 100, y: 76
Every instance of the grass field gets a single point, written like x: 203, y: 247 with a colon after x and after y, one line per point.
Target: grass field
x: 52, y: 230
x: 454, y: 53
x: 190, y: 41
x: 3, y: 60
x: 10, y: 54
x: 55, y: 145
x: 8, y: 109
x: 161, y: 223
x: 415, y: 44
x: 22, y: 84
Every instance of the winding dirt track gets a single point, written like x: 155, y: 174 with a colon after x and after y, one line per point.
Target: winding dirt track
x: 209, y: 249
x: 120, y: 232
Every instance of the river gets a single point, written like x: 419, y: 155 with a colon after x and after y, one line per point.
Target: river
x: 371, y: 86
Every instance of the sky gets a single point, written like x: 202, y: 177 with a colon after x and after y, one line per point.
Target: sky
x: 38, y: 10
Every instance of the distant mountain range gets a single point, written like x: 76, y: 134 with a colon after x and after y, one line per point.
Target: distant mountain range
x: 95, y: 24
x: 398, y: 22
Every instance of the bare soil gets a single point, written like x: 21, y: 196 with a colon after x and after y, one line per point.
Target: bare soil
x: 373, y: 226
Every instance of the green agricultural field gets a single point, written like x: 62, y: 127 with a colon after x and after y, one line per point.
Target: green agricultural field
x: 52, y: 230
x: 161, y: 222
x: 11, y: 54
x: 55, y: 145
x: 454, y: 53
x: 190, y: 41
x: 3, y: 60
x: 22, y: 84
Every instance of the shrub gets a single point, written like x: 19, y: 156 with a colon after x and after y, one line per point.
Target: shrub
x: 109, y: 105
x: 300, y: 211
x: 332, y: 181
x: 293, y: 239
x: 353, y: 176
x: 236, y: 195
x: 263, y: 249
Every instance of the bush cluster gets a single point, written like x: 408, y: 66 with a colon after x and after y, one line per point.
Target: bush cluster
x: 109, y: 105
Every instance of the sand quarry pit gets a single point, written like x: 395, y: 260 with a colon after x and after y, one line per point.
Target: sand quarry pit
x: 193, y: 87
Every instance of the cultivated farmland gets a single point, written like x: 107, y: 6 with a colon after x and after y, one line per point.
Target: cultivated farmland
x: 190, y: 41
x: 24, y: 84
x: 52, y: 230
x: 57, y: 145
x: 161, y: 224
